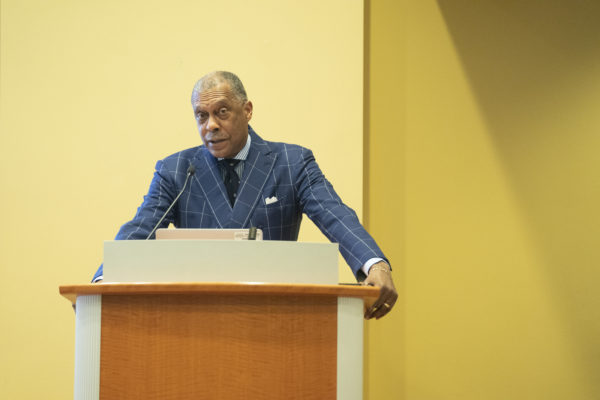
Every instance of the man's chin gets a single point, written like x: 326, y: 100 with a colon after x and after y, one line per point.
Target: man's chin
x: 219, y: 150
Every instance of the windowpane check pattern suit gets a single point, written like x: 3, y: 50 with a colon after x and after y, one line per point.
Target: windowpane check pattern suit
x: 280, y: 182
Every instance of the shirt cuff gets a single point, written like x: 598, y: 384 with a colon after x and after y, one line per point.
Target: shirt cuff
x: 370, y: 262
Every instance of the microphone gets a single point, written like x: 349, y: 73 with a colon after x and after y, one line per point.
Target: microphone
x: 252, y: 233
x: 190, y: 171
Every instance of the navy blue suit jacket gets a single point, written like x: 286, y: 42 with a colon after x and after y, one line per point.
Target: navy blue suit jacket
x: 287, y: 172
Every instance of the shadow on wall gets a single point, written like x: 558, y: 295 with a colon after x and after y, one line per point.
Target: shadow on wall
x: 535, y: 69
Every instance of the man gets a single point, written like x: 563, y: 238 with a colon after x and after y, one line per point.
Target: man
x: 241, y: 181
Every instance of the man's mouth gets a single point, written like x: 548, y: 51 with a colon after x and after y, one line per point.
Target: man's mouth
x: 216, y: 141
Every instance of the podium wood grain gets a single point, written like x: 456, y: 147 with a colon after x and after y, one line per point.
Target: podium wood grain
x: 208, y: 347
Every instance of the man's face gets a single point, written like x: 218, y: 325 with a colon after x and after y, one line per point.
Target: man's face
x: 222, y: 120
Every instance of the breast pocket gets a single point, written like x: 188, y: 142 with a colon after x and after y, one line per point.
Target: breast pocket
x: 274, y: 214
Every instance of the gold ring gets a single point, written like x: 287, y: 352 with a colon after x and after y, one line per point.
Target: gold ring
x: 386, y: 305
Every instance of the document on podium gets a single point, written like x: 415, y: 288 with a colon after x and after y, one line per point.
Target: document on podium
x: 209, y: 234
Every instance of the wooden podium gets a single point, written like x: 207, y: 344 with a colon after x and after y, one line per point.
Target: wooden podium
x: 218, y: 340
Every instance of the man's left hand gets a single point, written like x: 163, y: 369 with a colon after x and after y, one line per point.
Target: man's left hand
x: 380, y: 275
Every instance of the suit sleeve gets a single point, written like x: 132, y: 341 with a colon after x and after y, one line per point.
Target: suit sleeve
x: 160, y: 196
x: 337, y: 221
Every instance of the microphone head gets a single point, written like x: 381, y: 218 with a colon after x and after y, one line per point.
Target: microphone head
x: 191, y: 170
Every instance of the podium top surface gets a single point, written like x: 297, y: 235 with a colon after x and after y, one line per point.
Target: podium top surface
x: 368, y: 293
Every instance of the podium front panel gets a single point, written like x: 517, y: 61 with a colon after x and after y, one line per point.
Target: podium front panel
x: 218, y: 347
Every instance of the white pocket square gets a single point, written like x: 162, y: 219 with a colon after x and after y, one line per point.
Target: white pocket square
x: 270, y: 200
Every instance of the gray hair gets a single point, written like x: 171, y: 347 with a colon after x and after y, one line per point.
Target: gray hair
x: 215, y: 78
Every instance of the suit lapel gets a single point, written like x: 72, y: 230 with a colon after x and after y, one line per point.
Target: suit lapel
x: 208, y: 179
x: 257, y: 169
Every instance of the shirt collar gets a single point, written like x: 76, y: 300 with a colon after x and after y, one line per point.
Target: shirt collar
x: 243, y: 154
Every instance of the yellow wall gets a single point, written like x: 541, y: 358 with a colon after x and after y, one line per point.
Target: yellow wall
x: 384, y: 198
x: 93, y: 93
x: 482, y: 173
x: 493, y: 186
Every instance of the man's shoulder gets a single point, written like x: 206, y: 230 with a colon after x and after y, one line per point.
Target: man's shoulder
x: 180, y: 161
x: 289, y: 149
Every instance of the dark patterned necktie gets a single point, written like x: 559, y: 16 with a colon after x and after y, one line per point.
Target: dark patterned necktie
x: 232, y: 180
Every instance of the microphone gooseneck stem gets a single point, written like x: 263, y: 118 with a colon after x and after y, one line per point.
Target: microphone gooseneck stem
x: 190, y: 171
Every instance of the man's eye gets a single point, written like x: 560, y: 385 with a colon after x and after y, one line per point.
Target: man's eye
x: 223, y: 111
x: 201, y: 116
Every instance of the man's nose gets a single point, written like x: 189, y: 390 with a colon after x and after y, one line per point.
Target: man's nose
x: 212, y: 124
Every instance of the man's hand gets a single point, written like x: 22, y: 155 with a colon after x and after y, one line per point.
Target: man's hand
x: 380, y: 276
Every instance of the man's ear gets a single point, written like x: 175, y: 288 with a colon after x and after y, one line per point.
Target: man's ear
x: 248, y: 110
